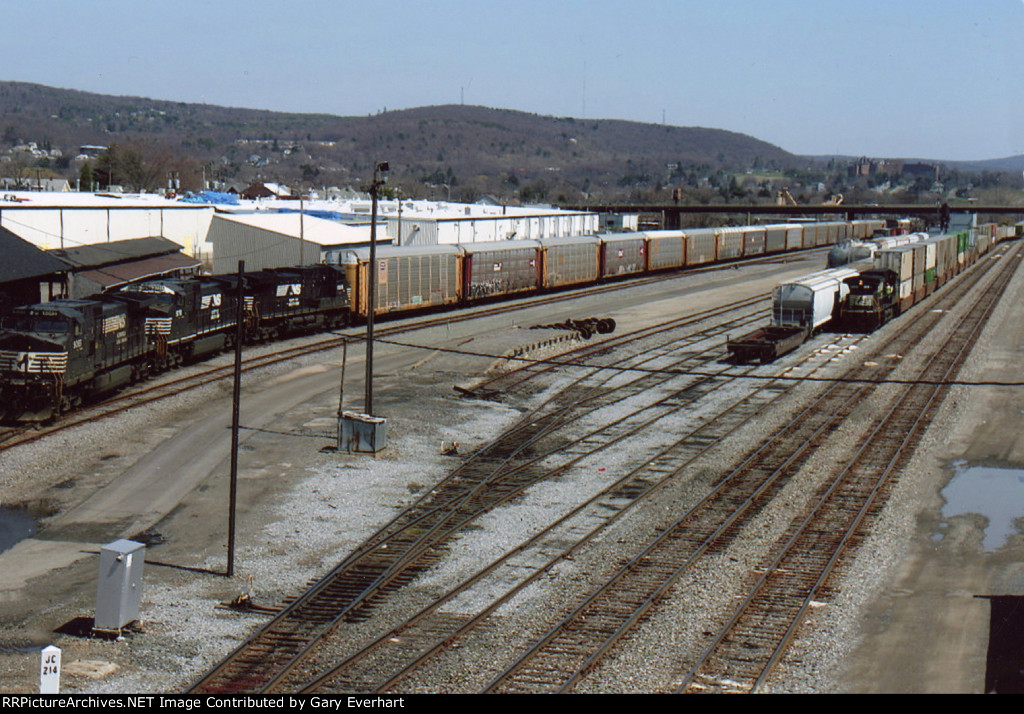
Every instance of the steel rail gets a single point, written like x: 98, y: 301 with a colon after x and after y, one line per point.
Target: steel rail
x: 430, y: 538
x: 640, y: 483
x: 581, y: 612
x: 915, y: 400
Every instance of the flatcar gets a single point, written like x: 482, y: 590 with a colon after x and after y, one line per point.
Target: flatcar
x: 902, y: 272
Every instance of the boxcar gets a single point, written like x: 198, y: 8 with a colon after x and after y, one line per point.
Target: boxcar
x: 821, y: 233
x: 730, y: 243
x: 794, y: 236
x: 754, y: 238
x: 408, y: 278
x: 809, y: 233
x: 775, y: 237
x: 496, y: 269
x: 809, y: 301
x: 865, y: 228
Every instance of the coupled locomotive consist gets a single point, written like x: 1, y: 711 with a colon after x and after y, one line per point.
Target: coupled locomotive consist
x: 55, y: 355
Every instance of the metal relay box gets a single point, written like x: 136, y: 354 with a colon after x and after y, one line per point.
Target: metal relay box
x: 362, y: 433
x: 119, y: 590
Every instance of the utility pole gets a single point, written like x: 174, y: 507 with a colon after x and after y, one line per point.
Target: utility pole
x: 379, y: 179
x: 235, y: 409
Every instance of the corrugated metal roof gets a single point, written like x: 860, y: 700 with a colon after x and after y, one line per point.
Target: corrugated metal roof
x: 117, y: 251
x: 73, y: 199
x: 114, y: 275
x: 23, y: 260
x: 312, y: 229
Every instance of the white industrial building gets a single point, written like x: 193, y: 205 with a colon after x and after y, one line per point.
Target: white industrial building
x: 432, y: 223
x: 71, y: 220
x: 218, y: 236
x: 275, y: 240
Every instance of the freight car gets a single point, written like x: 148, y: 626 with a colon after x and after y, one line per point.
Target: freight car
x: 411, y: 278
x: 852, y: 251
x: 864, y: 297
x: 800, y: 308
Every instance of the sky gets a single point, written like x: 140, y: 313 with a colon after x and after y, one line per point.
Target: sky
x: 935, y: 79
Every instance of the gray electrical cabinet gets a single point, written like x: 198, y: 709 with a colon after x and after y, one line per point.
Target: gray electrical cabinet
x: 362, y: 433
x: 119, y: 591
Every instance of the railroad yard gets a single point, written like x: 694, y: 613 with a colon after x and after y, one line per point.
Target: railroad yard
x: 629, y: 513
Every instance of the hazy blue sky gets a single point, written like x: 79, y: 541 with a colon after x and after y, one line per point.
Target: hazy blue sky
x: 939, y: 79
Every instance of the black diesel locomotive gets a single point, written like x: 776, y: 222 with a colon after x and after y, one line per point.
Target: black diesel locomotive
x: 872, y: 301
x: 55, y: 355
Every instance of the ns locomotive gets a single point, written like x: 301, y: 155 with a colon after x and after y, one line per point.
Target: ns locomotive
x: 872, y: 300
x: 55, y: 355
x: 863, y: 297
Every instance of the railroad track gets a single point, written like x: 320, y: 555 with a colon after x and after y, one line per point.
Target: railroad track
x: 745, y: 651
x: 432, y: 631
x: 155, y: 391
x: 495, y: 474
x: 559, y: 659
x: 397, y: 654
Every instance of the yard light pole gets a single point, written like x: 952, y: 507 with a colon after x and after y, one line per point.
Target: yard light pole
x: 379, y: 179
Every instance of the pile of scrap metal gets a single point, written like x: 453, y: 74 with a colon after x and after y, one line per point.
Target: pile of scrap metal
x: 586, y: 328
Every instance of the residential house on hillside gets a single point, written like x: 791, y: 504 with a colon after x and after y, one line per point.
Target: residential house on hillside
x: 266, y: 190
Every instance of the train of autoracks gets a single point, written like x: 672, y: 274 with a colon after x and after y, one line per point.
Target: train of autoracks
x: 58, y: 354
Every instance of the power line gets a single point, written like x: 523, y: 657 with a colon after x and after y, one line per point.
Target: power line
x: 712, y: 375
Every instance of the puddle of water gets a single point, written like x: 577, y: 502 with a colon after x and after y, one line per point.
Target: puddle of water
x: 996, y: 493
x: 15, y: 525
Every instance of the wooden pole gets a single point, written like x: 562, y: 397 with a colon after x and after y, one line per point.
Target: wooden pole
x: 235, y: 410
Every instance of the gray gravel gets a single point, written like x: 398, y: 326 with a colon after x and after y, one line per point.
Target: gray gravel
x: 329, y: 503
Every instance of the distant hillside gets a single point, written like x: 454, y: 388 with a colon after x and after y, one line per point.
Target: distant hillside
x: 461, y: 149
x: 1012, y: 164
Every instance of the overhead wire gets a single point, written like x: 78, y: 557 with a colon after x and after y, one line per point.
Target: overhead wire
x: 718, y: 375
